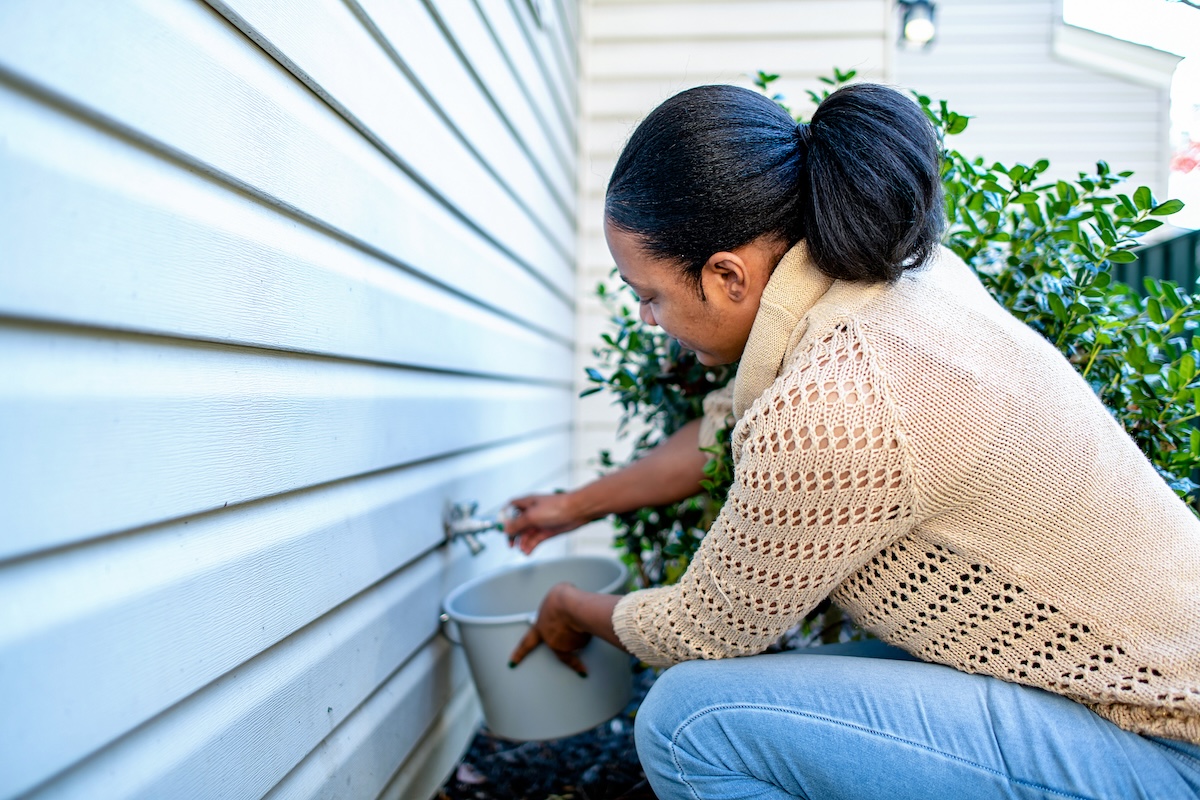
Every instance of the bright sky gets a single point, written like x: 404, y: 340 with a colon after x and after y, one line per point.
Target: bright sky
x: 1166, y: 25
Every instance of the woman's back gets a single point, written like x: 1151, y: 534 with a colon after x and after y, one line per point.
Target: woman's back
x: 1045, y: 549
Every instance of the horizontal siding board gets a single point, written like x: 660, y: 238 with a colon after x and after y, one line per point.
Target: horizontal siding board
x: 539, y: 35
x: 630, y: 98
x: 543, y: 88
x: 106, y: 234
x: 359, y: 757
x: 331, y: 50
x: 721, y: 21
x: 192, y: 600
x: 412, y: 31
x: 996, y: 63
x: 441, y: 747
x: 139, y: 431
x: 289, y: 276
x: 475, y: 42
x: 291, y: 695
x: 1062, y: 132
x: 1049, y: 94
x: 984, y: 72
x: 247, y: 120
x: 1135, y: 112
x: 562, y: 41
x: 699, y: 61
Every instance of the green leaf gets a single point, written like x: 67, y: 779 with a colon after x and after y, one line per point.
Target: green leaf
x: 1025, y: 197
x: 1173, y: 297
x: 594, y: 375
x: 1167, y: 208
x: 1057, y: 307
x: 957, y: 123
x: 1145, y: 226
x: 1154, y: 310
x: 1143, y: 198
x: 1187, y: 367
x: 1122, y: 257
x: 1136, y: 356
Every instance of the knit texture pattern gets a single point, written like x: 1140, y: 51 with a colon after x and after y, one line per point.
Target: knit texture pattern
x: 941, y: 472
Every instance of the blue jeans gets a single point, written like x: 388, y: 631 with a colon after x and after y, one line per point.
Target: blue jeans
x: 812, y: 724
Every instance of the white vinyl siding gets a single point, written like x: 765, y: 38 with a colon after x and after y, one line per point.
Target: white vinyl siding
x: 277, y: 281
x: 997, y: 63
x: 637, y: 54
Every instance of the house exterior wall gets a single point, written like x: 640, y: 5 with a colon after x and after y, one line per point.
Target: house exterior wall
x: 277, y: 280
x: 1038, y: 89
x: 635, y: 55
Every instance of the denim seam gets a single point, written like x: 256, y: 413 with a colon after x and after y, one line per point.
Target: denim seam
x: 748, y: 706
x: 1189, y: 761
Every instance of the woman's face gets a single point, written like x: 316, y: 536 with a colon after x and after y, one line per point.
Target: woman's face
x: 715, y: 326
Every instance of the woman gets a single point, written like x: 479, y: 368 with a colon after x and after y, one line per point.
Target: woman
x: 902, y: 445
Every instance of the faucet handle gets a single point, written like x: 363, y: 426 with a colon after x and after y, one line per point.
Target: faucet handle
x: 461, y: 511
x: 459, y: 521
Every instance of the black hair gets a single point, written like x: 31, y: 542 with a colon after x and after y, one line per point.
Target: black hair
x: 717, y: 167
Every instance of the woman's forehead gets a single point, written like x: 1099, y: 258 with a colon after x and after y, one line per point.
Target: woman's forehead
x: 634, y: 265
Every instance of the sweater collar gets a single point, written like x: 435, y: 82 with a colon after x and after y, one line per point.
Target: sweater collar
x: 793, y: 289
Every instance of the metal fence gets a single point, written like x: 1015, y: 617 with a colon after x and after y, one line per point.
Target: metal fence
x: 1176, y: 259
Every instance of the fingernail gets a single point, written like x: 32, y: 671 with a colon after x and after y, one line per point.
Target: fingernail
x: 512, y: 664
x: 581, y: 674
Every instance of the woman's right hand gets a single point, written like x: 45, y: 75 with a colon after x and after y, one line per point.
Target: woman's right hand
x: 541, y: 516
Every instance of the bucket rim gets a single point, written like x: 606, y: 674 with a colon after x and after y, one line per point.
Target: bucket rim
x: 524, y: 616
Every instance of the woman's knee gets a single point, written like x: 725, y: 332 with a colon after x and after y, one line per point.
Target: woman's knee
x: 670, y: 700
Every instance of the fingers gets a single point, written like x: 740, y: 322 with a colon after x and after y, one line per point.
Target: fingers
x: 573, y: 661
x: 528, y: 642
x: 518, y: 522
x: 531, y: 540
x: 531, y: 640
x: 528, y: 539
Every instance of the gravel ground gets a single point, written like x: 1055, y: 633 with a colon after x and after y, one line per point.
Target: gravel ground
x: 600, y: 764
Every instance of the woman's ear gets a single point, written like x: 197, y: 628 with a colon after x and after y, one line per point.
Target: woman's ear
x: 727, y: 276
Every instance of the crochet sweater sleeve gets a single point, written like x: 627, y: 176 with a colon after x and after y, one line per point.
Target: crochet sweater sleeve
x: 821, y: 484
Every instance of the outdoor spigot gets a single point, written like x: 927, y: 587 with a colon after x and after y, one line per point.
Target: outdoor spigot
x: 461, y: 523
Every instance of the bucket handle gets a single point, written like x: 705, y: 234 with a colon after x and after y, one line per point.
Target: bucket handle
x: 444, y: 622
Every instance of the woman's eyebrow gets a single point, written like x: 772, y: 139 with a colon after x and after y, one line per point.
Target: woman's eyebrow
x: 637, y: 289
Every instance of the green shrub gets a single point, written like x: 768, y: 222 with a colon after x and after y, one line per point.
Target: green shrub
x: 1043, y: 248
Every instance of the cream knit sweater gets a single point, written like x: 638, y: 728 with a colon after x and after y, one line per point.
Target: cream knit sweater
x: 944, y: 473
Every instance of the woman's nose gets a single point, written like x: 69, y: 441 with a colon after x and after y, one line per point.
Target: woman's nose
x: 646, y: 315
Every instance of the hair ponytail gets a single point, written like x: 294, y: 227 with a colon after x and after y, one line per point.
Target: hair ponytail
x: 717, y: 167
x: 874, y: 193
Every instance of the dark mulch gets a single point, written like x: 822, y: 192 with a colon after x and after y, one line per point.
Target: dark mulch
x: 600, y: 764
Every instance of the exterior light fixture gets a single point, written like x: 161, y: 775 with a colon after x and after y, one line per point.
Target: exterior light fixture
x: 917, y: 28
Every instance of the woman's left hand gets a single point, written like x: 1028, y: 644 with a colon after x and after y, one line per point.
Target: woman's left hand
x: 556, y: 628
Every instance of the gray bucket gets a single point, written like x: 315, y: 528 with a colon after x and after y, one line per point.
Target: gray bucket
x: 541, y: 698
